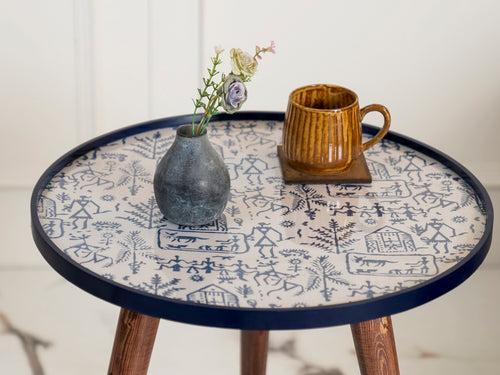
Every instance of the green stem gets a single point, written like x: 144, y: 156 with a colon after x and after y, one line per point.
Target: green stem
x: 204, y: 95
x: 211, y: 108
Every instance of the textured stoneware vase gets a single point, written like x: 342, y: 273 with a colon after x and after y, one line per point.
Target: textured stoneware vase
x: 322, y: 129
x: 191, y: 181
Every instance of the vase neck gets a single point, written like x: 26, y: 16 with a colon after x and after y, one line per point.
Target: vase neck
x: 186, y: 131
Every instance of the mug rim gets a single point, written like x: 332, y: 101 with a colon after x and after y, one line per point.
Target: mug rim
x: 317, y: 85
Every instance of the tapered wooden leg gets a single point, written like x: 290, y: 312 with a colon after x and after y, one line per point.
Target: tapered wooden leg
x: 375, y: 347
x: 254, y: 352
x: 134, y: 340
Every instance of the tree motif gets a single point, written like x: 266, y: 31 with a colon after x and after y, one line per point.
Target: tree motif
x: 145, y: 215
x: 103, y: 225
x: 335, y: 237
x: 150, y: 147
x: 417, y: 229
x: 134, y: 247
x: 133, y: 175
x: 323, y: 273
x: 158, y: 287
x: 306, y: 198
x: 469, y: 197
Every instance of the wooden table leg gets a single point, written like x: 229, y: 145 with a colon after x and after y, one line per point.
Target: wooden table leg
x: 254, y: 352
x: 375, y: 347
x: 134, y: 340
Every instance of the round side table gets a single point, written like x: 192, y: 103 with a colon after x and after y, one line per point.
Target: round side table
x: 281, y: 257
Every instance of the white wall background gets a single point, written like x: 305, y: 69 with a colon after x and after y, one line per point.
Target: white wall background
x: 70, y: 70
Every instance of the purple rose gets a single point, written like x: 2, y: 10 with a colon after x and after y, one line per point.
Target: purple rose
x: 234, y: 93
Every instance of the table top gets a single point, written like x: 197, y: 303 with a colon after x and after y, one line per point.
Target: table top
x: 283, y: 256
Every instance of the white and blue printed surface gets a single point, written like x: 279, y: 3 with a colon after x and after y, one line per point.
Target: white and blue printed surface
x: 277, y: 246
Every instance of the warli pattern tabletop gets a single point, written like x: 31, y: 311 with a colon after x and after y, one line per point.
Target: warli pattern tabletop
x: 278, y: 246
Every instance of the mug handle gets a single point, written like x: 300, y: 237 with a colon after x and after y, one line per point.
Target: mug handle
x: 382, y: 132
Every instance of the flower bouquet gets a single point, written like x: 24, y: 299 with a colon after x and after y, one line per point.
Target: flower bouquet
x: 191, y: 182
x: 226, y: 91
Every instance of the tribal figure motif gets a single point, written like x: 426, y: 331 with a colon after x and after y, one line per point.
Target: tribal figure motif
x: 277, y: 245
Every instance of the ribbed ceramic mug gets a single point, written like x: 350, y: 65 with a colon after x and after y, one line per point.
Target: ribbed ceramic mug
x: 322, y: 130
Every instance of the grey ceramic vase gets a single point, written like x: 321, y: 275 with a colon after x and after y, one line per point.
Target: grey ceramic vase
x: 191, y: 181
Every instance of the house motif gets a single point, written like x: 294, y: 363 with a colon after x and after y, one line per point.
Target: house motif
x: 213, y: 295
x: 46, y: 207
x: 378, y: 170
x: 389, y: 240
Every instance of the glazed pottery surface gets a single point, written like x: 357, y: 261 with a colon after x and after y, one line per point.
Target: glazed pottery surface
x: 191, y: 182
x: 322, y: 130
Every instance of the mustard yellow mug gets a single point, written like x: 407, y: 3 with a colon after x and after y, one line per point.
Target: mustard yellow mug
x: 322, y: 129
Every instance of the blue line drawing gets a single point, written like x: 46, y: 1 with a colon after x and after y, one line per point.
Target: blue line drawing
x: 143, y: 214
x: 265, y: 239
x: 295, y: 258
x: 107, y: 239
x: 239, y: 269
x: 427, y: 197
x: 86, y: 253
x: 81, y: 210
x: 389, y: 240
x: 111, y: 156
x: 107, y: 226
x: 88, y: 178
x: 150, y: 147
x: 252, y: 168
x: 335, y: 237
x: 378, y: 170
x: 412, y: 164
x: 406, y: 212
x: 178, y: 264
x: 376, y: 209
x: 392, y: 189
x: 200, y: 241
x: 47, y: 209
x: 245, y: 290
x: 276, y: 245
x: 156, y: 286
x: 322, y: 273
x: 437, y: 234
x: 62, y: 197
x: 368, y: 290
x: 213, y: 295
x: 385, y: 189
x: 268, y: 275
x: 53, y: 227
x: 133, y: 175
x: 255, y: 199
x: 218, y: 225
x: 307, y: 199
x: 132, y: 248
x: 391, y: 265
